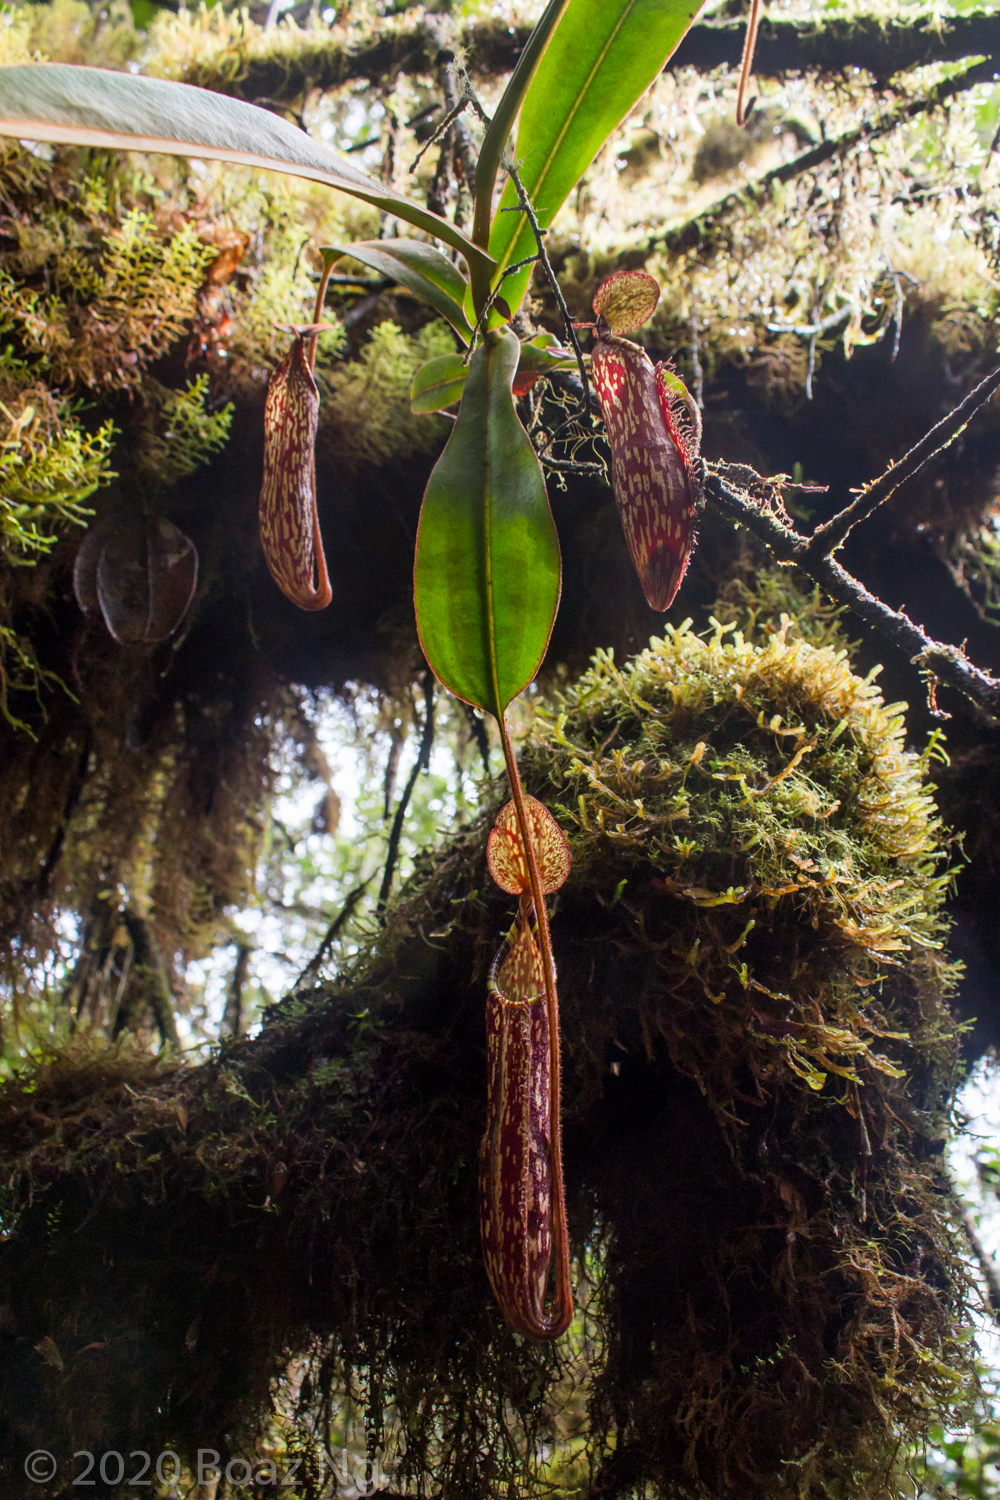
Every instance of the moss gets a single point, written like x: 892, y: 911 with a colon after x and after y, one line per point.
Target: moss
x: 113, y: 312
x: 758, y: 1068
x: 69, y: 31
x: 182, y: 433
x: 369, y: 418
x: 49, y: 467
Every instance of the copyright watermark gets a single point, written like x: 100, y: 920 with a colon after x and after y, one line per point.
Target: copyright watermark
x: 361, y: 1476
x: 40, y: 1466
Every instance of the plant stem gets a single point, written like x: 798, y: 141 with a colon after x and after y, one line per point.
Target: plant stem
x: 329, y: 261
x: 562, y: 1309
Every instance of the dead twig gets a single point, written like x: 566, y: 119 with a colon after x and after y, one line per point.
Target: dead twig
x: 941, y: 661
x: 833, y: 533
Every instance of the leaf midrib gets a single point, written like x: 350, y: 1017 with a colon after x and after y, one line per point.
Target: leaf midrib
x: 570, y: 118
x: 487, y: 542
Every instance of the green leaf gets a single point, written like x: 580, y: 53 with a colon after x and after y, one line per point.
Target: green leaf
x: 544, y: 354
x: 92, y: 107
x: 438, y: 383
x: 423, y: 270
x: 487, y: 574
x: 498, y: 131
x: 599, y: 62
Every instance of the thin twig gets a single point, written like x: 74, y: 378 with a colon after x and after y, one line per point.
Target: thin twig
x: 422, y: 761
x: 438, y: 131
x: 707, y: 226
x: 491, y: 302
x: 897, y: 312
x: 696, y: 368
x: 946, y: 663
x: 572, y: 465
x: 524, y: 206
x: 832, y: 534
x: 811, y: 330
x: 987, y: 1264
x: 334, y: 930
x: 478, y: 730
x: 453, y: 98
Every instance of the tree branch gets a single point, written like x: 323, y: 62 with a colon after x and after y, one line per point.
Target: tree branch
x: 149, y: 964
x: 879, y: 46
x: 883, y: 48
x: 987, y: 1265
x: 833, y: 533
x: 943, y: 662
x: 705, y: 229
x: 421, y: 764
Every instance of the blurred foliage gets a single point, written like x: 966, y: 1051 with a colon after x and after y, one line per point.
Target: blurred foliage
x: 184, y: 435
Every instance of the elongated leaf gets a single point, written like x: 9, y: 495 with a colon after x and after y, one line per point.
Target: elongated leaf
x: 438, y: 383
x: 542, y: 355
x: 91, y: 107
x: 487, y: 574
x: 600, y: 60
x: 498, y: 131
x: 423, y: 270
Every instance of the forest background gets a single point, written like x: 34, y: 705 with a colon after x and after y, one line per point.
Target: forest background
x: 195, y: 831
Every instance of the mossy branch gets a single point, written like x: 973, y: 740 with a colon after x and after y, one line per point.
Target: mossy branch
x: 881, y: 47
x: 742, y: 494
x: 749, y: 932
x: 708, y: 229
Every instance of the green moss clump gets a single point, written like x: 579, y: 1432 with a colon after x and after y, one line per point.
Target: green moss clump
x: 118, y: 303
x: 758, y: 1069
x: 762, y: 785
x: 182, y: 434
x: 754, y: 814
x: 369, y: 417
x: 49, y: 467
